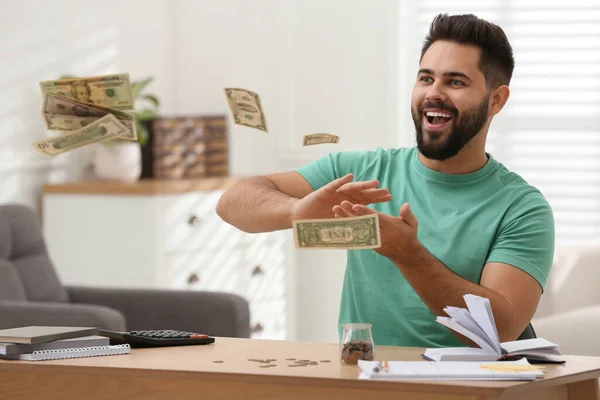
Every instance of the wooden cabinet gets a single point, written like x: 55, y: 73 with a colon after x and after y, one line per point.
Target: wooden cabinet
x: 165, y: 235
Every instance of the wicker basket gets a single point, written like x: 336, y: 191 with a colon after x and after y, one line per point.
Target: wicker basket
x: 187, y: 148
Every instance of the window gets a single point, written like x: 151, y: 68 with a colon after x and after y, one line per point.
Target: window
x: 549, y: 131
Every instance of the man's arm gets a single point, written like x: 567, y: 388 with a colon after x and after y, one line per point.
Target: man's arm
x: 513, y: 293
x: 263, y: 203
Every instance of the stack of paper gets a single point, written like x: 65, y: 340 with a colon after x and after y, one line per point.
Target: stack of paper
x: 450, y: 370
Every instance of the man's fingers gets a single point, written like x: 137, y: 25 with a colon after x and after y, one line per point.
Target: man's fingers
x: 374, y: 193
x: 339, y: 212
x: 333, y: 186
x: 382, y: 199
x: 371, y: 200
x: 360, y: 209
x: 358, y: 186
x: 407, y: 215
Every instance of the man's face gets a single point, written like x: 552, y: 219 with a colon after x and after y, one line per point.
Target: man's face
x: 449, y: 100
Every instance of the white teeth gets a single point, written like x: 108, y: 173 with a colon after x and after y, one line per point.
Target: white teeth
x: 437, y: 114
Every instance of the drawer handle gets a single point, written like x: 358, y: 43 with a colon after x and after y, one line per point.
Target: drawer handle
x: 193, y: 221
x: 257, y: 328
x: 257, y: 271
x: 193, y: 278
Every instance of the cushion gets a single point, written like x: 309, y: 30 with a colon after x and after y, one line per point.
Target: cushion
x: 26, y: 250
x: 10, y: 282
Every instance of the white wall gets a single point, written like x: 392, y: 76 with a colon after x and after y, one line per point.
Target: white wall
x: 318, y: 65
x: 42, y: 40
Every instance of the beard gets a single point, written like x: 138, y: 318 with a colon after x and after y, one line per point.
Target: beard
x: 462, y: 131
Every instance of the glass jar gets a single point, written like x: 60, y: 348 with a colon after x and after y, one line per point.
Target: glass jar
x: 357, y: 343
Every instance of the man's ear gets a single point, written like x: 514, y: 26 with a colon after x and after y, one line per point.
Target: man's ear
x: 498, y: 99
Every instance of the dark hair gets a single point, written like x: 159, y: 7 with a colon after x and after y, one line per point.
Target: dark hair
x: 496, y: 61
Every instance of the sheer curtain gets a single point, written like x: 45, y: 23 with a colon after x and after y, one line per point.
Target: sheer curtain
x: 549, y: 131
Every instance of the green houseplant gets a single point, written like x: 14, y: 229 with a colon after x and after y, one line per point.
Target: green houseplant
x: 150, y: 111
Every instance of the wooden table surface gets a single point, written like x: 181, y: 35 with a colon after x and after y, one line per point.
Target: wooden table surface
x: 190, y: 372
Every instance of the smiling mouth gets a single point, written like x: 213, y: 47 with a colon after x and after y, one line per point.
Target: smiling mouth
x: 436, y: 120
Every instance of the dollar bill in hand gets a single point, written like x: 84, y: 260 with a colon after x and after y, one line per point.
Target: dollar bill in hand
x: 246, y: 108
x: 56, y: 108
x: 319, y: 138
x: 338, y: 233
x: 105, y: 128
x: 111, y: 91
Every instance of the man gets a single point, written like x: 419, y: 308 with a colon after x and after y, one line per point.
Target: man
x: 453, y: 220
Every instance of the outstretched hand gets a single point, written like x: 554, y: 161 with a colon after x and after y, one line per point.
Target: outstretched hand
x: 398, y: 234
x: 319, y: 203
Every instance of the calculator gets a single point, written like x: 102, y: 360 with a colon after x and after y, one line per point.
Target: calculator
x: 156, y: 338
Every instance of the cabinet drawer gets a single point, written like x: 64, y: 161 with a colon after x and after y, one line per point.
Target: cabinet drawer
x: 265, y: 268
x: 267, y: 320
x: 191, y: 223
x: 211, y: 271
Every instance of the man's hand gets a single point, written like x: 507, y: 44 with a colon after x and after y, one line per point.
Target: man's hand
x: 319, y: 203
x: 399, y: 240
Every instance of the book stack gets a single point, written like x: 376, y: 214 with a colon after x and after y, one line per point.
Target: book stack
x: 38, y: 343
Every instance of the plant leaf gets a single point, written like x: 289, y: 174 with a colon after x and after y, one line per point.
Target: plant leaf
x: 146, y: 114
x: 142, y: 132
x: 138, y: 86
x: 152, y: 98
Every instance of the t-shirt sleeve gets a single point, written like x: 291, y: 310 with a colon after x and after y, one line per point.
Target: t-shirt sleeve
x: 526, y: 240
x: 335, y: 165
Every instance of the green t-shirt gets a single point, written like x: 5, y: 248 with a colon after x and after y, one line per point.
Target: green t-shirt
x: 465, y: 221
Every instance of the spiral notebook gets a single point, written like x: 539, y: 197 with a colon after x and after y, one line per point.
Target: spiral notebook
x: 58, y: 354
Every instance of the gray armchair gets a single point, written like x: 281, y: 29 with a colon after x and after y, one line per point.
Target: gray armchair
x: 31, y: 293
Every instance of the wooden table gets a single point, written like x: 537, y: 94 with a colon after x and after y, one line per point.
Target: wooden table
x: 179, y: 373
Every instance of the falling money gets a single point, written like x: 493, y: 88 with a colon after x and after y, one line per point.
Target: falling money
x: 67, y: 115
x: 352, y: 233
x: 319, y: 138
x: 246, y: 108
x: 105, y: 128
x: 111, y: 91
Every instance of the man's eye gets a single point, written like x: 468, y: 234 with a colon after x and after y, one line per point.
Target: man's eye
x: 455, y: 82
x: 426, y: 79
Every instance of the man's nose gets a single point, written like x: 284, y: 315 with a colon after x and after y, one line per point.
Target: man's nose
x: 435, y: 93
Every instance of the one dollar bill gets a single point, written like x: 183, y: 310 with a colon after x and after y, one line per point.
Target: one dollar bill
x: 105, y: 128
x: 319, y: 138
x: 246, y: 108
x: 338, y: 233
x: 111, y: 91
x: 56, y: 108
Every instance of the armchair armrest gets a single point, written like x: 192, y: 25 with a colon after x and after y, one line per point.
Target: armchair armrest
x: 575, y: 331
x: 212, y: 313
x: 24, y: 313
